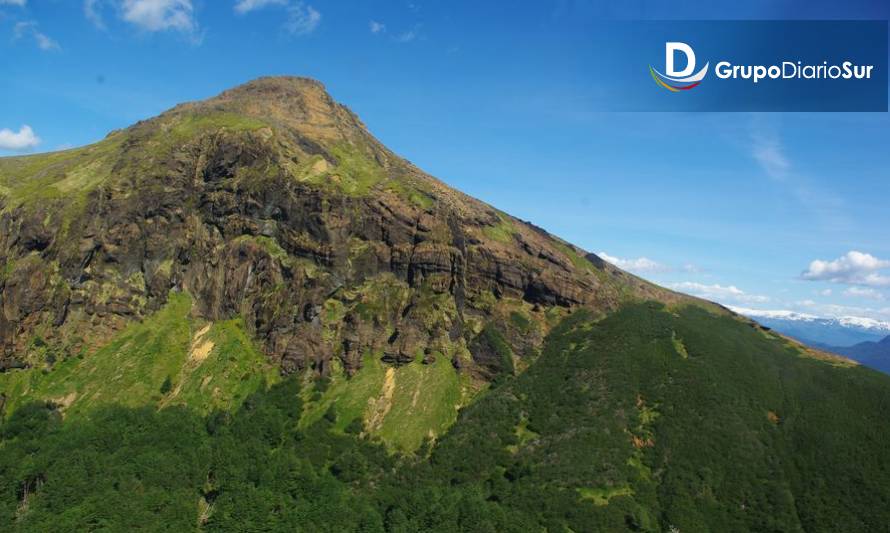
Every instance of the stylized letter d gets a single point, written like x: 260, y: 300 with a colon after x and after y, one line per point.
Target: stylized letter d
x: 669, y: 49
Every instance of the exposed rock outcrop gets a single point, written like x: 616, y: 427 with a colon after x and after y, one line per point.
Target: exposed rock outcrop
x: 273, y: 202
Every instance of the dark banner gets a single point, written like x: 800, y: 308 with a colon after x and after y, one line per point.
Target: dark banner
x: 742, y: 65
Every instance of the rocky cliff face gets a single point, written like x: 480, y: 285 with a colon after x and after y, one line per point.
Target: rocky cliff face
x: 273, y: 202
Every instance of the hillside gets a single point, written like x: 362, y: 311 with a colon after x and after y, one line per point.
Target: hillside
x: 648, y: 420
x: 246, y: 314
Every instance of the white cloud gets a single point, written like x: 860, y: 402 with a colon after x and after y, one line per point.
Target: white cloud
x: 644, y: 265
x: 159, y: 15
x: 769, y: 151
x: 767, y: 148
x: 770, y: 155
x: 91, y: 11
x: 864, y: 292
x: 148, y: 15
x: 719, y: 293
x: 638, y: 265
x: 20, y: 3
x: 377, y: 27
x: 826, y: 292
x: 25, y: 139
x: 853, y: 268
x: 29, y: 29
x: 245, y: 6
x: 302, y: 19
x: 409, y: 35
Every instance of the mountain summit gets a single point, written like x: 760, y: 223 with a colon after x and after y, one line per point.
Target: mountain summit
x: 274, y: 203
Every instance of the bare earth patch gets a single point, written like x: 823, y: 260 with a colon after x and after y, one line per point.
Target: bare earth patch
x: 198, y: 352
x: 380, y: 406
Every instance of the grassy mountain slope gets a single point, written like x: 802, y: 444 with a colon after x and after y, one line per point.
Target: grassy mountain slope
x: 649, y: 419
x: 168, y: 359
x: 655, y: 418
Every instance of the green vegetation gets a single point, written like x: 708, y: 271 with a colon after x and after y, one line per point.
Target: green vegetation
x: 214, y: 366
x: 679, y: 346
x: 502, y: 231
x: 521, y: 321
x: 167, y: 385
x: 126, y: 469
x: 495, y: 341
x: 608, y: 430
x: 68, y: 175
x: 409, y: 192
x: 623, y: 421
x: 189, y: 125
x: 400, y: 406
x: 577, y: 259
x: 424, y: 403
x: 355, y: 173
x: 602, y: 496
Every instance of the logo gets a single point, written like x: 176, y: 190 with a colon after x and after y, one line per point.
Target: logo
x: 678, y: 81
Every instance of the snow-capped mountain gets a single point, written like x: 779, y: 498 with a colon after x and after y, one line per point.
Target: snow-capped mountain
x: 815, y: 330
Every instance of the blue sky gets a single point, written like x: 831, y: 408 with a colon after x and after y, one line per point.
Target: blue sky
x: 767, y: 211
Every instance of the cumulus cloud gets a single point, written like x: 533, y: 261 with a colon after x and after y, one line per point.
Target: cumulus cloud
x: 245, y: 6
x: 148, y: 15
x: 24, y: 30
x: 25, y: 139
x: 377, y: 27
x: 719, y: 293
x: 852, y: 268
x: 642, y: 265
x: 302, y: 19
x: 159, y: 15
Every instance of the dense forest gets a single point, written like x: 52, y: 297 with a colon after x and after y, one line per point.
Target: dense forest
x: 652, y: 419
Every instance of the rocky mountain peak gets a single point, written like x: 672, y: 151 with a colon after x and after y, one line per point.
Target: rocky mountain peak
x: 299, y: 106
x: 272, y: 203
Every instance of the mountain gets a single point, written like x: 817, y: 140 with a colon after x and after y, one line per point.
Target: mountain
x: 817, y: 331
x: 246, y: 314
x: 272, y: 204
x: 873, y: 354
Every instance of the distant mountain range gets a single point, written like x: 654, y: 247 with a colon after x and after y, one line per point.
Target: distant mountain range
x: 864, y: 339
x: 839, y: 331
x: 873, y: 354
